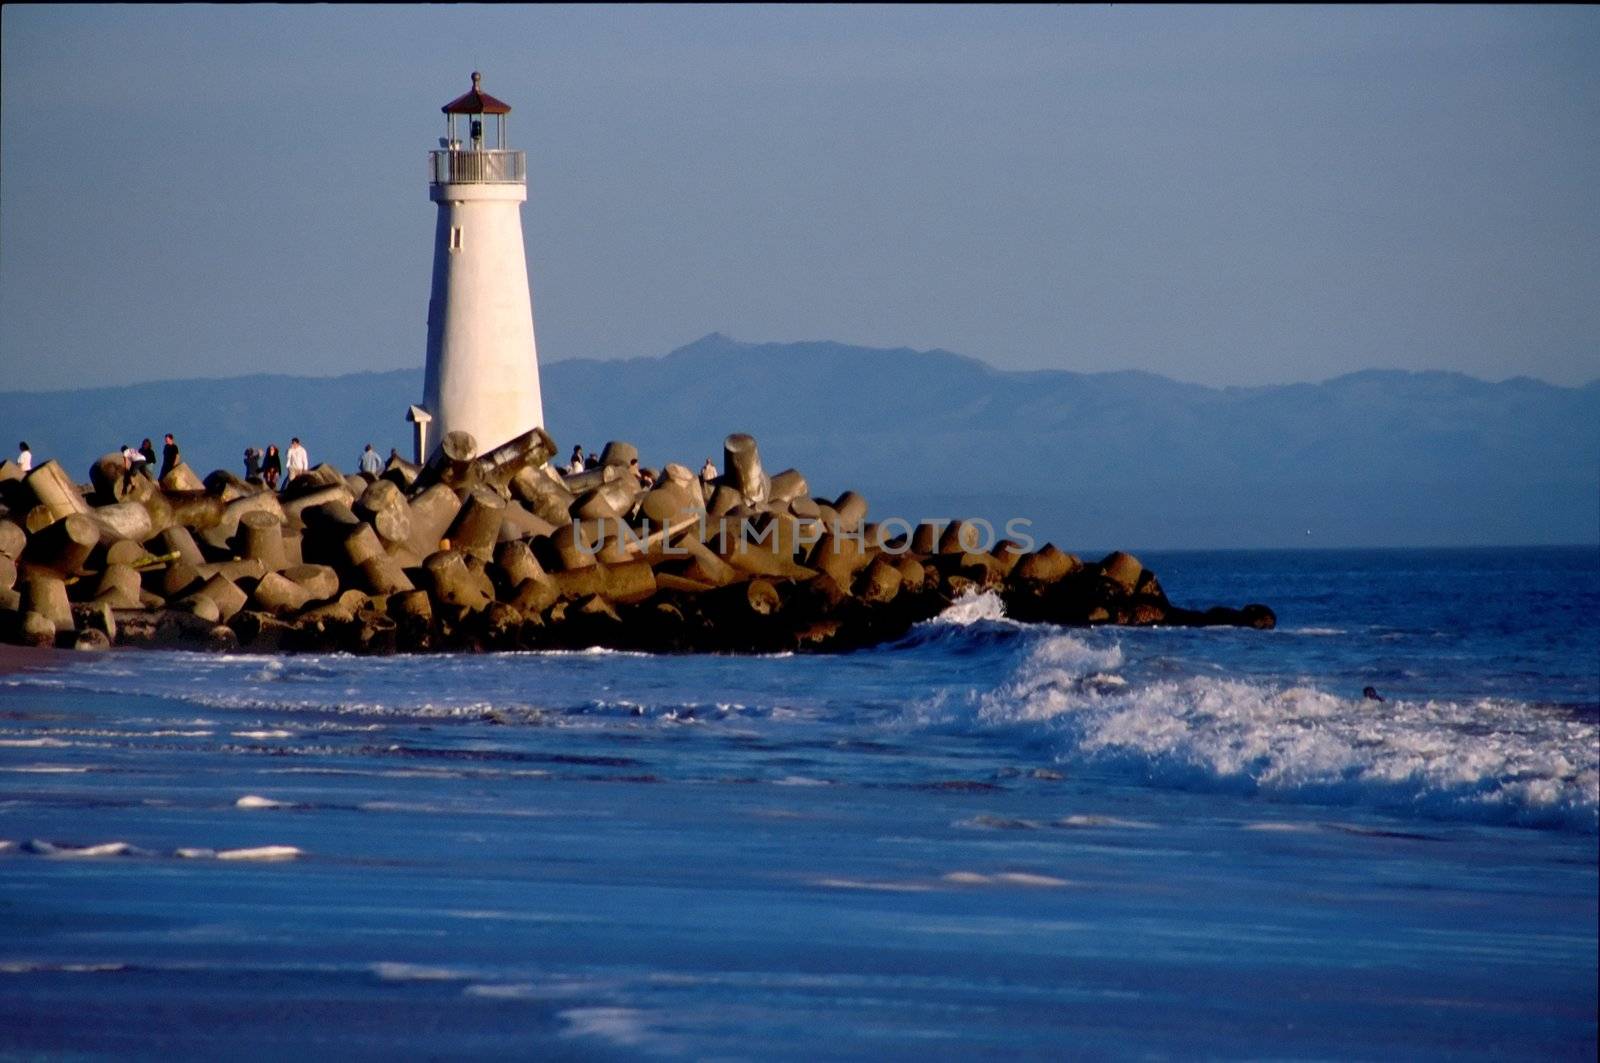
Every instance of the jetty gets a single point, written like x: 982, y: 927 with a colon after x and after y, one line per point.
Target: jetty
x: 501, y: 551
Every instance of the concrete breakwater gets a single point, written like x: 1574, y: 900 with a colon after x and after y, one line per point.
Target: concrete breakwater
x: 500, y: 551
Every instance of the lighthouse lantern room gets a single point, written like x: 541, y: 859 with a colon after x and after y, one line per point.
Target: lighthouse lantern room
x: 483, y: 367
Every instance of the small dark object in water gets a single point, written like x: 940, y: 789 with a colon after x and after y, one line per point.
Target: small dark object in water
x: 1371, y: 694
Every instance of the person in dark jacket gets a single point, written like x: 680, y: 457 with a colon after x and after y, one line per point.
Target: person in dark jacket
x: 169, y: 456
x: 148, y: 466
x: 271, y: 466
x: 252, y: 463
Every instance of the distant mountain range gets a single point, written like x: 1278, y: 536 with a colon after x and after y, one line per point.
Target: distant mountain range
x: 1095, y: 460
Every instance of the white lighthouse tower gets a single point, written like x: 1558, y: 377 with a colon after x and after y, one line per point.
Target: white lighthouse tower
x: 483, y: 367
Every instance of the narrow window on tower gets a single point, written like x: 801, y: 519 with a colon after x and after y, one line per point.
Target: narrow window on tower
x: 455, y: 238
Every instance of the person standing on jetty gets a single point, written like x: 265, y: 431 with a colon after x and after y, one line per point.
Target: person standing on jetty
x: 252, y: 463
x: 708, y: 471
x: 24, y: 456
x: 576, y: 464
x: 169, y: 456
x: 271, y: 467
x: 148, y: 449
x: 370, y: 464
x: 299, y: 462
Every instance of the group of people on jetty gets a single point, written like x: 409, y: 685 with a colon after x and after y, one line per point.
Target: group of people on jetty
x: 268, y: 466
x: 141, y: 461
x: 276, y: 470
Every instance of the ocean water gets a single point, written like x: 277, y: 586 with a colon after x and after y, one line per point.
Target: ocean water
x: 987, y: 840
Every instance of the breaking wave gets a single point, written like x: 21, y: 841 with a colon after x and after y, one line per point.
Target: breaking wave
x: 972, y: 607
x: 1494, y: 759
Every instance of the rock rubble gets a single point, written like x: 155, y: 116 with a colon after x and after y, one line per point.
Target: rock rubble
x: 499, y: 551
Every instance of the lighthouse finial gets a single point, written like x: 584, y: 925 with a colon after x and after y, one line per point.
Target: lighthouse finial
x: 476, y: 77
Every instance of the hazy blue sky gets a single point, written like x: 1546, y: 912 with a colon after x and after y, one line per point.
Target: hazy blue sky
x: 1244, y: 195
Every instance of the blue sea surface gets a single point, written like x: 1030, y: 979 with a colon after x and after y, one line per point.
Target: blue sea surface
x: 987, y: 840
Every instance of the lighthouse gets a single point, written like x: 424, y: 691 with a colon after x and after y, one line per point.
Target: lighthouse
x: 483, y: 368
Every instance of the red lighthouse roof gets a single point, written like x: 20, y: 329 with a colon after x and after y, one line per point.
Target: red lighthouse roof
x: 476, y: 102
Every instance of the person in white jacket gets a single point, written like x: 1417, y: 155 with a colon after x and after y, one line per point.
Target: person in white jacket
x: 296, y: 461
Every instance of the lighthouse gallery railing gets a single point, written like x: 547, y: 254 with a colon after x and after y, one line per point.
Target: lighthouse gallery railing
x: 478, y: 167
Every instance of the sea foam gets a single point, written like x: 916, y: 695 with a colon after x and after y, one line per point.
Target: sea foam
x: 971, y: 607
x: 1494, y: 759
